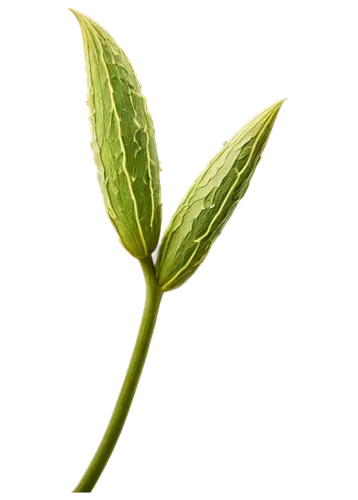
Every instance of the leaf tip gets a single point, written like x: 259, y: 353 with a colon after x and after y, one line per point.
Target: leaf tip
x: 71, y: 9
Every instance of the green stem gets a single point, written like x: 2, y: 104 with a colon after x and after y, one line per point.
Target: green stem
x: 125, y: 398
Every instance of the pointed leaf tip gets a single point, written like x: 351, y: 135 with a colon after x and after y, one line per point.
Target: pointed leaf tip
x: 71, y: 9
x: 74, y: 11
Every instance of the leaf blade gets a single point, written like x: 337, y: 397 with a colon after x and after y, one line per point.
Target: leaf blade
x: 211, y: 200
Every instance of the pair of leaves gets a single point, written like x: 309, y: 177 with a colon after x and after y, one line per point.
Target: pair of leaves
x: 125, y: 153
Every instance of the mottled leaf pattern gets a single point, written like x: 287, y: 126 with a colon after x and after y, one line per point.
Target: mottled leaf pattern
x: 210, y: 201
x: 123, y: 141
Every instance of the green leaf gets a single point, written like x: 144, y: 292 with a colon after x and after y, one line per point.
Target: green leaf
x: 211, y: 200
x: 123, y: 141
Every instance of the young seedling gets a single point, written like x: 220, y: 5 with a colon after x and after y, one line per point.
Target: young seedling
x: 126, y: 157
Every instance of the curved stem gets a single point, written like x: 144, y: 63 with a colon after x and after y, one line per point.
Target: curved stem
x: 125, y: 398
